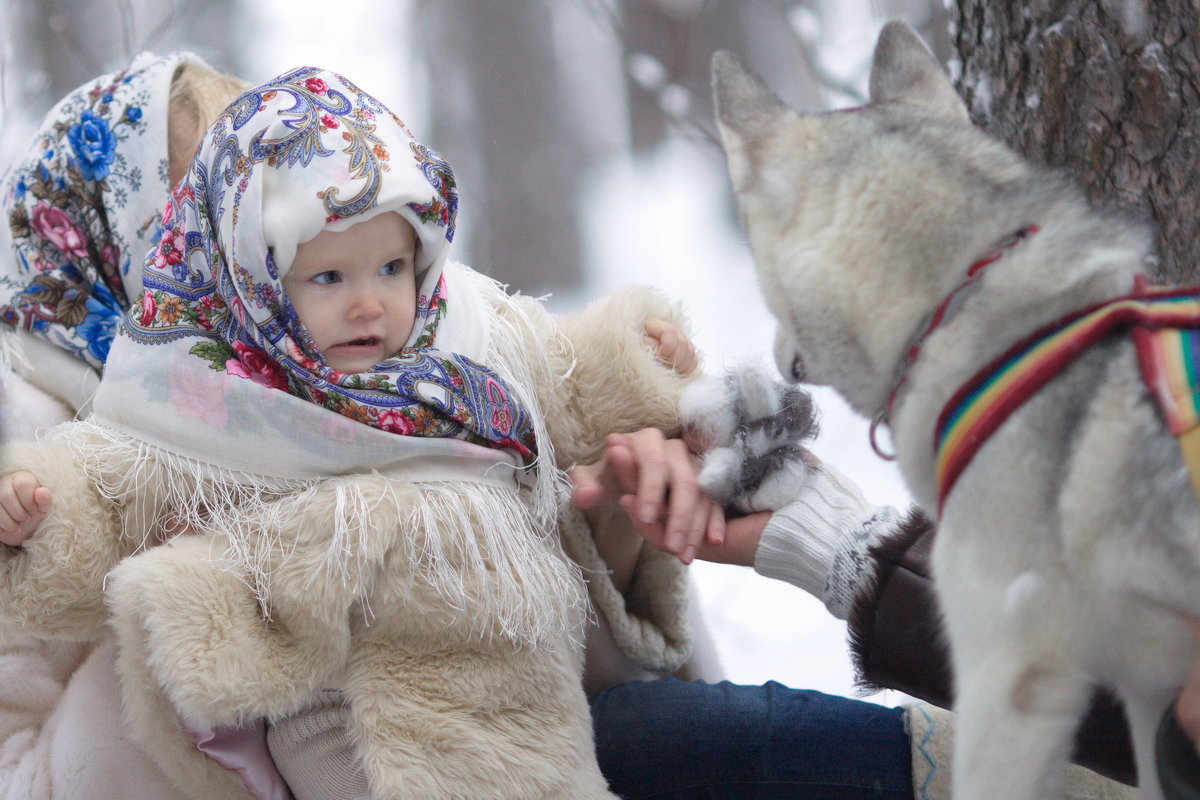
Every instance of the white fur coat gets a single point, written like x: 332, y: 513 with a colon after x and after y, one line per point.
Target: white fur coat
x: 175, y: 609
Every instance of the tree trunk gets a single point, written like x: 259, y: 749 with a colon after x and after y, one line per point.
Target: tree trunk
x: 1106, y: 89
x: 500, y: 116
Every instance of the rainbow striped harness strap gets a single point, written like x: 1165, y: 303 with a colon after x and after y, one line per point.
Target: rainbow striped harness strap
x: 1165, y: 324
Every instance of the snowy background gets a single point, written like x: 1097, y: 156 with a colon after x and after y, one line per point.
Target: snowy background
x: 660, y: 216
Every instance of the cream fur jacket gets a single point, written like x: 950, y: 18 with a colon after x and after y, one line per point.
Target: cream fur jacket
x: 67, y: 733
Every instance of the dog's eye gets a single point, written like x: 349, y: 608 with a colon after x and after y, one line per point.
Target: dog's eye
x: 787, y: 356
x: 796, y: 370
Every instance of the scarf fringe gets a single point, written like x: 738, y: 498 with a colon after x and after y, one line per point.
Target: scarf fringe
x: 518, y: 351
x: 492, y: 553
x: 485, y: 550
x: 514, y: 577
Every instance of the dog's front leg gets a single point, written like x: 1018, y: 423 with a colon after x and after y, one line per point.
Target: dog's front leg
x: 1019, y: 687
x: 1014, y: 729
x: 1144, y: 710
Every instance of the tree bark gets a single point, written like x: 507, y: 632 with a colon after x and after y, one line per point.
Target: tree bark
x: 1108, y: 89
x: 499, y: 116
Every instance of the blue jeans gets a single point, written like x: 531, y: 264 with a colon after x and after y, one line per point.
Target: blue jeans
x: 675, y: 740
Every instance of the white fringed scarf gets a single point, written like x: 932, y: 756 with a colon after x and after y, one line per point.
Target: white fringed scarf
x: 217, y: 411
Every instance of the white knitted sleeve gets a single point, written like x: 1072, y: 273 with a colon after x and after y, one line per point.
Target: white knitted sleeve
x: 820, y: 540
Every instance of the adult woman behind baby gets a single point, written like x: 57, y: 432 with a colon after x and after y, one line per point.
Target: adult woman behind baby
x: 81, y: 207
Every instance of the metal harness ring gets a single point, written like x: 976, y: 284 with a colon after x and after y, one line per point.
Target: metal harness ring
x: 880, y: 418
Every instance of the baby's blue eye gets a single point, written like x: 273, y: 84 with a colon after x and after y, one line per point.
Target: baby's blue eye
x: 326, y: 277
x: 391, y: 268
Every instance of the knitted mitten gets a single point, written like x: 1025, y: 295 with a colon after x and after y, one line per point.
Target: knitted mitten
x: 931, y: 732
x: 749, y: 427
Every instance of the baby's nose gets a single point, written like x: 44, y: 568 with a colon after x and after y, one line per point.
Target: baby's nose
x: 367, y: 305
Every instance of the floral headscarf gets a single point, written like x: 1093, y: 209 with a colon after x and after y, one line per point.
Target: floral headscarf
x: 305, y: 152
x: 82, y: 208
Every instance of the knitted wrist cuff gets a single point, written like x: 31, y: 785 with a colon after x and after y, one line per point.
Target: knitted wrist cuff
x: 801, y: 541
x: 793, y: 552
x: 314, y: 752
x: 852, y: 568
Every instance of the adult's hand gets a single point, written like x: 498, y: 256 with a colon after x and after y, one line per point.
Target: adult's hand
x: 653, y: 478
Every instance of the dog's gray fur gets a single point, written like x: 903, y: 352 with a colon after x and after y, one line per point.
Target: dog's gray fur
x: 1069, y: 549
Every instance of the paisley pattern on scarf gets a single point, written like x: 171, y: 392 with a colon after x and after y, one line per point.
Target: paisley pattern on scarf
x: 81, y: 202
x: 213, y: 279
x: 442, y: 209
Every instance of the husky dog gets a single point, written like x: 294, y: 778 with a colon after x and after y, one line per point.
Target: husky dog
x: 1068, y: 552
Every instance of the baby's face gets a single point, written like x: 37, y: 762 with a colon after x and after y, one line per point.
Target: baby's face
x: 355, y: 290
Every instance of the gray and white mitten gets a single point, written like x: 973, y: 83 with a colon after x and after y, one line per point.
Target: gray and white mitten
x: 749, y: 428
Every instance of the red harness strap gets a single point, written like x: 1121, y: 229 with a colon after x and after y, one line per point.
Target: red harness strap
x: 949, y: 305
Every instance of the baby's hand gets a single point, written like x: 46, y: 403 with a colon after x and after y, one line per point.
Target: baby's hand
x: 23, y: 505
x: 671, y: 347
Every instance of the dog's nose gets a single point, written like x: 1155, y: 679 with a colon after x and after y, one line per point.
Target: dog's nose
x: 787, y: 357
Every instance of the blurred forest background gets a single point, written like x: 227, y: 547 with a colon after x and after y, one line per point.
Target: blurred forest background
x: 527, y: 98
x: 582, y: 138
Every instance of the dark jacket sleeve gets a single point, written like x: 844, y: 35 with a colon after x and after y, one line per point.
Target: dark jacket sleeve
x: 897, y: 643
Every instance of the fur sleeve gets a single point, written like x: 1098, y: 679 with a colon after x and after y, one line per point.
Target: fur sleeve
x: 601, y: 378
x: 611, y: 382
x: 52, y: 586
x: 896, y: 639
x: 650, y: 624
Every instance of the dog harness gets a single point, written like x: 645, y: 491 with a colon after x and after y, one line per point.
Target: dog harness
x: 1165, y: 325
x: 948, y: 307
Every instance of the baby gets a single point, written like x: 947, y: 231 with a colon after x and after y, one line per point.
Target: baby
x: 302, y: 387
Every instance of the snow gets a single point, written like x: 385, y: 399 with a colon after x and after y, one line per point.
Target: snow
x: 980, y: 93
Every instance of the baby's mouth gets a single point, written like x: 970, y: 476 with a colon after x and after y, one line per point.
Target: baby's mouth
x: 366, y: 341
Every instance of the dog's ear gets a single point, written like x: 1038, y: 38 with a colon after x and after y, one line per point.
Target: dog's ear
x: 904, y: 70
x: 743, y: 102
x: 747, y: 111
